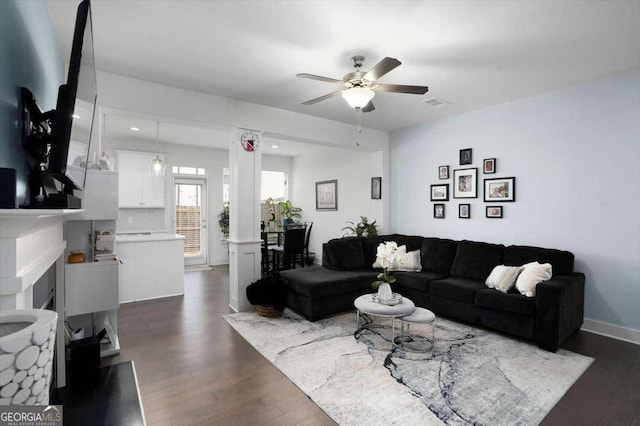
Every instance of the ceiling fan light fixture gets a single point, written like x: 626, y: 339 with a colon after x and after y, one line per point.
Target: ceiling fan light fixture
x: 358, y: 97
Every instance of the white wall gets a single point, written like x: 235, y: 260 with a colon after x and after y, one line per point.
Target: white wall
x: 353, y: 170
x: 575, y: 154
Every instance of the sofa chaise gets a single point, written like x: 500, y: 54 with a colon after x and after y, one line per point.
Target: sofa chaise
x: 451, y: 283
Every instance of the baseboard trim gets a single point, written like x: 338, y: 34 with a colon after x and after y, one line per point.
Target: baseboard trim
x: 614, y: 331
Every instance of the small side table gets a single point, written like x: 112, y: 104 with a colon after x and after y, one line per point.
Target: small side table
x: 365, y: 304
x: 407, y: 340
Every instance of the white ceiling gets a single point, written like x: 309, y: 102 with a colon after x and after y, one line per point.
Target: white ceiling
x: 471, y: 53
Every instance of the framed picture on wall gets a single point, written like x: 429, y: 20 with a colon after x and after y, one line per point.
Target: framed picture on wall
x: 489, y: 166
x: 443, y: 172
x: 376, y: 188
x: 465, y: 183
x: 466, y: 156
x: 327, y: 195
x: 440, y: 192
x: 438, y: 211
x: 464, y: 211
x: 494, y: 212
x: 500, y: 189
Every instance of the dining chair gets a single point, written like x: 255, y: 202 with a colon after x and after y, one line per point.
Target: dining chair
x: 292, y: 249
x: 306, y: 261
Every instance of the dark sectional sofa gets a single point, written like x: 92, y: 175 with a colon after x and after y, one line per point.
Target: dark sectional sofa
x: 451, y: 284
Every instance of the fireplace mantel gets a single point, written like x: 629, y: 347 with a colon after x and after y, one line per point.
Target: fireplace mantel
x: 31, y: 240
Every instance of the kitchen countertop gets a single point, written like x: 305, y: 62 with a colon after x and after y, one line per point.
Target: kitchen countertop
x: 144, y: 237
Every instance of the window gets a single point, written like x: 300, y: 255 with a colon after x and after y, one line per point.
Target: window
x: 226, y: 191
x: 274, y: 186
x: 184, y: 170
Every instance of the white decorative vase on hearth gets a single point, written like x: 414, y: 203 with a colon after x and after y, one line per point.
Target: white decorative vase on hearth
x: 384, y: 292
x: 27, y: 339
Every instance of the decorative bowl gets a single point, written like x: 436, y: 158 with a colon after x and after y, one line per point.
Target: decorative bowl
x: 395, y: 299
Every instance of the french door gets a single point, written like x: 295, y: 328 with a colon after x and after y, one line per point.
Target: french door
x: 190, y: 218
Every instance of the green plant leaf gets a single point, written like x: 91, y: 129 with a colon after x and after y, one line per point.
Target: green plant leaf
x: 380, y: 276
x: 391, y: 279
x: 376, y: 284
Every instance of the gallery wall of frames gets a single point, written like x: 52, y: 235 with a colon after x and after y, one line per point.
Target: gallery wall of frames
x: 463, y: 183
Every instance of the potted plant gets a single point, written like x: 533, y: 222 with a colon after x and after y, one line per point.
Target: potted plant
x: 223, y: 221
x: 362, y: 228
x: 289, y: 211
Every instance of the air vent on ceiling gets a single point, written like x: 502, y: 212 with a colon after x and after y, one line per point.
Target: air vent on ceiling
x: 437, y: 102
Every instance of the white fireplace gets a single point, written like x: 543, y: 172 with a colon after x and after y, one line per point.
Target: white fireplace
x: 31, y: 241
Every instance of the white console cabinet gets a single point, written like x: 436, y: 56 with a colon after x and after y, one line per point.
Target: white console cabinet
x: 100, y: 197
x: 138, y: 189
x: 91, y: 288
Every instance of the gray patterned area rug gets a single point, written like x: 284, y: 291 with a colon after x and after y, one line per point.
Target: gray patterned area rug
x: 472, y: 376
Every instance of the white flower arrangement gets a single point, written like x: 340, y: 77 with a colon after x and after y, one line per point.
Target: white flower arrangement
x: 387, y: 254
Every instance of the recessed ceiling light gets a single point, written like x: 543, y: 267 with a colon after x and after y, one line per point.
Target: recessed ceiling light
x: 135, y: 129
x: 75, y: 116
x: 274, y: 146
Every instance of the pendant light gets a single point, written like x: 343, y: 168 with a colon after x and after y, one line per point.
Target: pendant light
x: 158, y: 166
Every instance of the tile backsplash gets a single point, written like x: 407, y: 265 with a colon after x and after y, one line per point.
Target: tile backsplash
x: 141, y: 220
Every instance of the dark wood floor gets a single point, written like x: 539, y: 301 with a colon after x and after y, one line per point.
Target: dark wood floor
x: 194, y: 369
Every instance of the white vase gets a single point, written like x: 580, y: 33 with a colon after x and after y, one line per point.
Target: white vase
x: 26, y: 356
x: 384, y: 292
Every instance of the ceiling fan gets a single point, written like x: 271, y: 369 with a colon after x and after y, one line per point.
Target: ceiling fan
x: 360, y: 87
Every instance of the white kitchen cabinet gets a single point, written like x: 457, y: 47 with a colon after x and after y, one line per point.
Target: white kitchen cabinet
x: 137, y: 188
x: 150, y: 268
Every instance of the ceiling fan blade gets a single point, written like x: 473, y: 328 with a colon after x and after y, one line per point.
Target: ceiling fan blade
x: 322, y: 98
x: 319, y: 78
x: 381, y: 68
x: 369, y: 107
x: 399, y: 88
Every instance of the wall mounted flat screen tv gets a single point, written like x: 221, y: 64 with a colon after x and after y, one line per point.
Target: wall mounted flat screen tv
x: 58, y: 141
x: 75, y: 109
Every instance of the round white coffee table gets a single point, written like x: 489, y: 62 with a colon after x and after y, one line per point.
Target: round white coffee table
x: 365, y: 305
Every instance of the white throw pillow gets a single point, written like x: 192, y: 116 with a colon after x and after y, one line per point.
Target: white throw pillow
x: 401, y: 251
x: 533, y: 274
x: 408, y: 262
x: 503, y: 278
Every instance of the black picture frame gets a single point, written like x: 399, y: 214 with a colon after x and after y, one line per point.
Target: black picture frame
x: 465, y: 183
x: 443, y: 172
x: 489, y: 166
x: 438, y: 211
x: 376, y: 188
x: 500, y: 190
x: 440, y: 192
x: 466, y: 156
x: 493, y: 212
x: 464, y: 211
x: 327, y: 195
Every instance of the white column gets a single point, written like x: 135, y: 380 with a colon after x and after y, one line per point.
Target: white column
x: 245, y: 168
